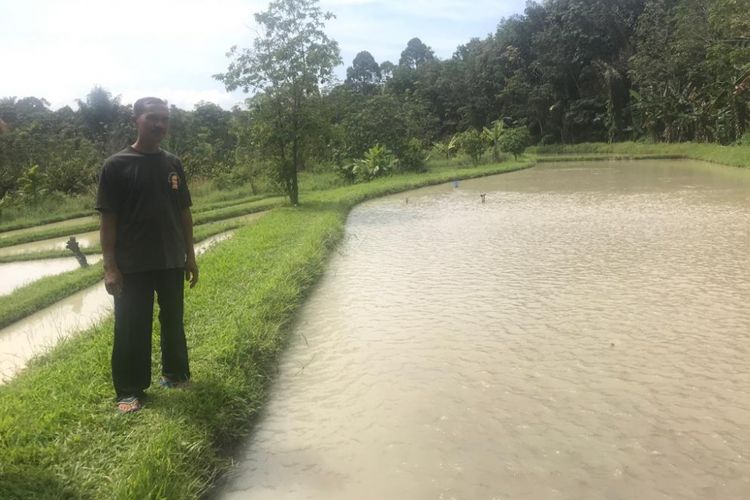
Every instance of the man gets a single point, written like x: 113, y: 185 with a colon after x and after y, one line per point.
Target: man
x: 147, y: 241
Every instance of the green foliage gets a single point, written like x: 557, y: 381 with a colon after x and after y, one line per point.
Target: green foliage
x: 378, y: 161
x: 364, y: 74
x: 31, y: 184
x: 412, y: 157
x: 41, y: 293
x: 685, y: 70
x: 63, y: 436
x: 106, y: 123
x: 493, y: 136
x: 515, y: 140
x: 736, y: 156
x: 569, y: 70
x: 416, y: 54
x: 288, y: 62
x: 380, y: 119
x: 472, y: 144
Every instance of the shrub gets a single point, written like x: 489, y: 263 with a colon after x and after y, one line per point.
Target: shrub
x: 377, y: 162
x: 412, y: 157
x: 472, y: 143
x: 515, y: 141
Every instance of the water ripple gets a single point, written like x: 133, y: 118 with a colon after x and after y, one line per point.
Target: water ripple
x: 583, y: 334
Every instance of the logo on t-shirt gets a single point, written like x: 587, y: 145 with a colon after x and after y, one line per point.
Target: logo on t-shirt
x: 174, y: 181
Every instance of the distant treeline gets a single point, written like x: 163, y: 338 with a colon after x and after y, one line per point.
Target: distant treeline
x: 568, y: 70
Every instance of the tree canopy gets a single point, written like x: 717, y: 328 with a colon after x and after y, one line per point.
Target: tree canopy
x: 288, y: 62
x: 566, y: 71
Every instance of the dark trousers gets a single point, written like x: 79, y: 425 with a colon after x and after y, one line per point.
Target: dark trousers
x: 134, y: 312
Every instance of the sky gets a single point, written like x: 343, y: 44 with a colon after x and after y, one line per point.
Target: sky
x: 60, y: 49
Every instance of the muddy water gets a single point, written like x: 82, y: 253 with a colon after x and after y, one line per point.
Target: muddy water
x: 88, y: 239
x: 17, y: 274
x: 85, y: 240
x: 584, y: 334
x: 37, y: 333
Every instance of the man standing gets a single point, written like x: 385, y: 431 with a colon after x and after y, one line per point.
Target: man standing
x: 147, y: 241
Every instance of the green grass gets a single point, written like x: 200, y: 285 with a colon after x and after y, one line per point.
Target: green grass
x: 202, y: 216
x: 59, y: 207
x: 736, y: 156
x: 59, y: 434
x: 41, y: 293
x: 206, y: 207
x: 202, y: 230
x: 46, y: 233
x: 46, y: 291
x: 47, y: 254
x: 52, y: 208
x: 237, y: 210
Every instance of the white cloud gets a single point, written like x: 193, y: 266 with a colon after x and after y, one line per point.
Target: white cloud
x: 60, y: 50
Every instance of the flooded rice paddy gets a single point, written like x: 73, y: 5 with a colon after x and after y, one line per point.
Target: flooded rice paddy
x: 39, y: 332
x: 17, y: 274
x: 51, y: 225
x: 85, y: 240
x: 583, y: 334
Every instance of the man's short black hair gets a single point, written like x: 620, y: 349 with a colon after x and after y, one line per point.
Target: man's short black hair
x: 140, y: 105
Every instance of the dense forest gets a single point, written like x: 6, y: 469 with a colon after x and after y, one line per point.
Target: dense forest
x: 565, y: 71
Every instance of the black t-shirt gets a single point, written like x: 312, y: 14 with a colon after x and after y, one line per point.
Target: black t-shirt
x: 147, y: 191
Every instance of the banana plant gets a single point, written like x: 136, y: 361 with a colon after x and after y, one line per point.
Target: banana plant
x: 493, y: 136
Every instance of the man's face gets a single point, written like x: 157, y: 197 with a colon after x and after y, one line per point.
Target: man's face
x: 153, y: 123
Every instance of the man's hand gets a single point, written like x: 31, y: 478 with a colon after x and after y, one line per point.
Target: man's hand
x: 191, y: 271
x: 113, y: 281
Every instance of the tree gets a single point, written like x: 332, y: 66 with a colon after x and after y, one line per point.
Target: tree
x: 106, y: 122
x: 472, y: 143
x: 416, y: 54
x: 289, y: 60
x: 247, y: 168
x: 364, y: 73
x: 386, y: 70
x: 515, y: 140
x: 493, y: 136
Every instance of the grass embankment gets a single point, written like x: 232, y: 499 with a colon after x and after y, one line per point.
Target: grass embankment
x: 58, y: 207
x: 201, y: 231
x: 46, y: 211
x: 735, y: 156
x: 201, y: 215
x: 59, y: 434
x: 46, y: 291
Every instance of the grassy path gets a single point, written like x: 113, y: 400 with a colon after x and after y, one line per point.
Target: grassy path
x: 39, y: 294
x: 59, y: 434
x: 733, y: 156
x: 203, y: 215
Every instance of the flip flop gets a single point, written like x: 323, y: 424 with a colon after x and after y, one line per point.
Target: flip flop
x: 129, y: 405
x: 170, y: 383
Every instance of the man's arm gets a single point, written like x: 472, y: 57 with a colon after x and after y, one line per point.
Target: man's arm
x: 191, y: 267
x: 108, y: 236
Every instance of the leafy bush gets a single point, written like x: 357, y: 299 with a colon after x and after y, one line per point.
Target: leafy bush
x: 377, y: 162
x: 446, y: 149
x: 493, y: 136
x: 472, y: 143
x: 515, y: 140
x: 412, y: 157
x: 31, y: 184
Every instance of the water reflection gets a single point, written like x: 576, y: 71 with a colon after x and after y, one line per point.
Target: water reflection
x: 17, y: 274
x: 85, y: 240
x: 38, y: 332
x: 583, y: 334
